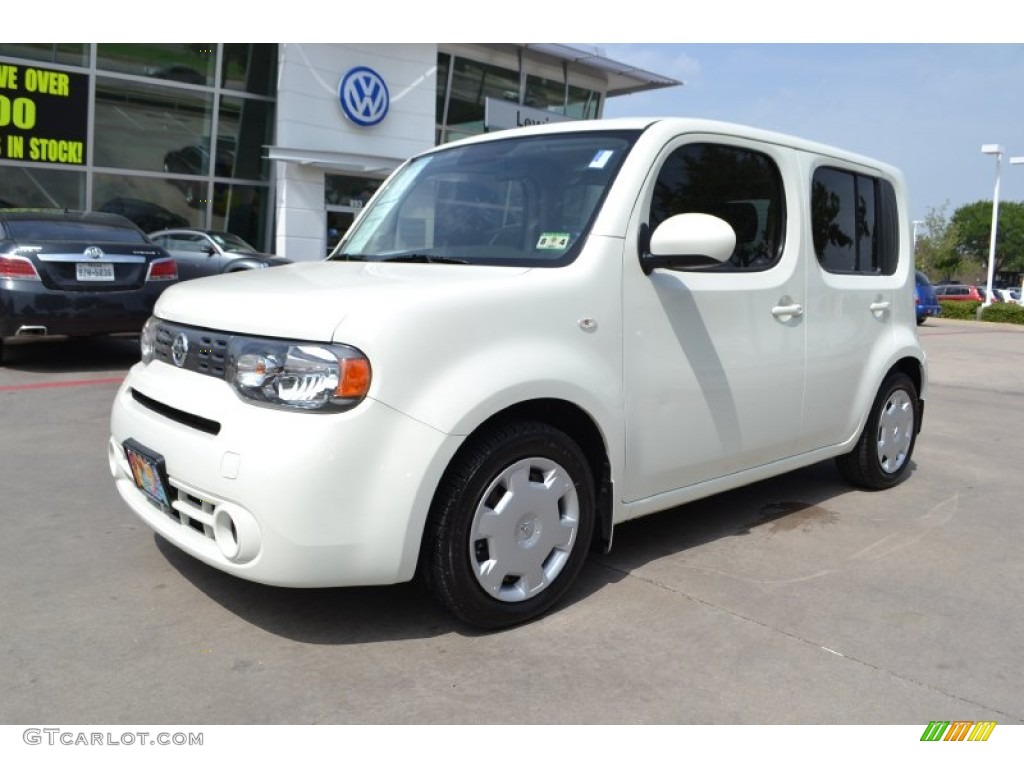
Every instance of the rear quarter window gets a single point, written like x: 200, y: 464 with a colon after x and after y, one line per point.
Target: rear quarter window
x: 855, y: 222
x: 76, y: 231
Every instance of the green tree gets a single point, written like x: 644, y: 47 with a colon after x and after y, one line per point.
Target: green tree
x: 937, y: 251
x: 973, y: 223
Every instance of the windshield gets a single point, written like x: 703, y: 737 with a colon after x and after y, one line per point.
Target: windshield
x: 231, y: 243
x: 525, y: 201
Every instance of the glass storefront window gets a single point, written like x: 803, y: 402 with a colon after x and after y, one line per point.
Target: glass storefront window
x: 473, y: 82
x: 241, y: 210
x: 349, y: 191
x: 146, y: 127
x: 244, y: 129
x: 192, y: 63
x: 338, y: 223
x: 443, y: 64
x: 584, y: 103
x: 250, y: 67
x: 74, y: 54
x: 36, y: 187
x: 151, y: 203
x: 542, y: 93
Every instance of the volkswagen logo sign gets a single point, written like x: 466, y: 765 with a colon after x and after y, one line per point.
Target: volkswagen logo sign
x: 179, y: 349
x: 93, y: 252
x: 364, y: 96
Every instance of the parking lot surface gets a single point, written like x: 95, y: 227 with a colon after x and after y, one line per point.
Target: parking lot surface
x: 795, y: 600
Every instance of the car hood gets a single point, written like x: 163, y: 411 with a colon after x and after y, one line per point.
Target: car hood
x: 311, y: 300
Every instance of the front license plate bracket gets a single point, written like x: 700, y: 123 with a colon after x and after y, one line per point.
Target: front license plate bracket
x: 149, y: 470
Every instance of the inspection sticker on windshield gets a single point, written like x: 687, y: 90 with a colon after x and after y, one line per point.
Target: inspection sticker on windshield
x: 553, y: 241
x: 601, y: 158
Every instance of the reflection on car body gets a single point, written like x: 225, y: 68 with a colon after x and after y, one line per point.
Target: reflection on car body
x: 145, y: 215
x: 194, y: 160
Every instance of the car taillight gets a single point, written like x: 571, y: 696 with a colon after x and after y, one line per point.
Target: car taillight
x: 17, y: 268
x: 162, y: 269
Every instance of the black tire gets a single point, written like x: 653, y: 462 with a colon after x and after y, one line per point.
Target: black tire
x: 495, y: 558
x: 881, y: 458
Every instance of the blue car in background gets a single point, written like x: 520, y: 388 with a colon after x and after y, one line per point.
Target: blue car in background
x: 924, y: 296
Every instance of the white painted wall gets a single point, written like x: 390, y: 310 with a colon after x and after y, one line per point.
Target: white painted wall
x: 310, y: 119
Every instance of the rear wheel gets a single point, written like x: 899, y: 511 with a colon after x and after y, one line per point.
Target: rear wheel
x: 881, y: 457
x: 511, y: 525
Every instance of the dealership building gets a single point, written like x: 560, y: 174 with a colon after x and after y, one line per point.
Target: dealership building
x: 278, y: 143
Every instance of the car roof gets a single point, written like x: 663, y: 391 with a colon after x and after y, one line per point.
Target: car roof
x: 189, y: 230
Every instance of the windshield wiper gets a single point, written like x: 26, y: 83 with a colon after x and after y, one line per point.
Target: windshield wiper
x: 425, y: 258
x: 346, y: 257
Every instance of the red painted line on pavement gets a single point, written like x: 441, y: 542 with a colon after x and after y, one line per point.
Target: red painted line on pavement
x: 49, y: 384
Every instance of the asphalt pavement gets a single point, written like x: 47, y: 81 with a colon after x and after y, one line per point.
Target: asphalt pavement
x: 794, y: 600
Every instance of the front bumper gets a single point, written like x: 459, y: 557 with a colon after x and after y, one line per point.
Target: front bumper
x: 277, y: 497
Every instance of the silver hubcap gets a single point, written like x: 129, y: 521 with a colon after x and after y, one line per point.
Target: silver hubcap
x: 524, y: 529
x: 895, y: 431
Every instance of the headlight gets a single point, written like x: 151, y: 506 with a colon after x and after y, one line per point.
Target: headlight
x: 147, y: 341
x: 307, y: 377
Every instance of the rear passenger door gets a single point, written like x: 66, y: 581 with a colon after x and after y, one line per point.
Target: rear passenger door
x: 854, y: 277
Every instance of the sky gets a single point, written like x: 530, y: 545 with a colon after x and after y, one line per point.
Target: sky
x: 926, y: 108
x: 898, y: 80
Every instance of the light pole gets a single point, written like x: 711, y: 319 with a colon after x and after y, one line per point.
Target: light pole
x: 918, y: 222
x: 997, y: 150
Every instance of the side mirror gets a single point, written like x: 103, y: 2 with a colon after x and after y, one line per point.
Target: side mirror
x: 209, y: 250
x: 688, y: 241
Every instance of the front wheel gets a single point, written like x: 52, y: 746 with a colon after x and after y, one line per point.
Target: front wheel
x: 881, y: 458
x: 511, y: 525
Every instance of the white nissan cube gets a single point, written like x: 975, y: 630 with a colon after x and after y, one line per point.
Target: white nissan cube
x: 525, y: 339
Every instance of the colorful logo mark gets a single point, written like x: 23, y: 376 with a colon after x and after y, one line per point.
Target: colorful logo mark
x: 958, y: 730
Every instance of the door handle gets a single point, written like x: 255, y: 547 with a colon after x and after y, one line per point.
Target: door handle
x: 879, y: 307
x: 787, y: 311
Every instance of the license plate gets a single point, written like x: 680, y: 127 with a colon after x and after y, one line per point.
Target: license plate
x: 94, y: 272
x: 149, y: 472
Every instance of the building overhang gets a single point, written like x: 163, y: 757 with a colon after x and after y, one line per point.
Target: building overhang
x: 341, y: 162
x: 622, y: 78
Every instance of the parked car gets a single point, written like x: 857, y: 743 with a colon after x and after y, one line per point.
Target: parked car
x: 74, y: 273
x: 529, y: 337
x: 145, y: 215
x: 958, y: 292
x: 924, y: 298
x: 1007, y: 295
x: 203, y: 252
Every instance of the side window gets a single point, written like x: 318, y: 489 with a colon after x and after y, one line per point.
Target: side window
x: 738, y: 185
x: 854, y: 223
